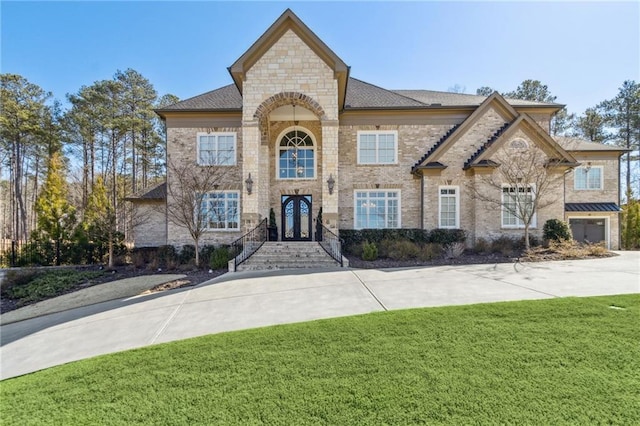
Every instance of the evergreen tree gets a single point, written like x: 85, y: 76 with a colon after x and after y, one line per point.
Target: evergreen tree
x: 591, y: 126
x: 631, y: 224
x: 55, y: 215
x: 99, y: 221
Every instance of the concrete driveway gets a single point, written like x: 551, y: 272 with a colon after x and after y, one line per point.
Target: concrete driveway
x: 248, y: 300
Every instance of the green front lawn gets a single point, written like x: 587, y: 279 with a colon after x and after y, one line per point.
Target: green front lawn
x: 542, y: 362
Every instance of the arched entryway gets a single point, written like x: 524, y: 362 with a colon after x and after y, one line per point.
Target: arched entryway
x: 296, y: 218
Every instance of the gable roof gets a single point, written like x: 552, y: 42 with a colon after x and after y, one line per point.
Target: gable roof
x: 495, y: 100
x: 528, y: 125
x: 289, y: 21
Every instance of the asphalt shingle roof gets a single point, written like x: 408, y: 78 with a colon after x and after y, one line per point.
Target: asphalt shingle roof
x: 223, y: 99
x: 364, y: 95
x: 156, y: 192
x: 591, y: 207
x: 576, y: 144
x: 435, y: 98
x: 360, y: 95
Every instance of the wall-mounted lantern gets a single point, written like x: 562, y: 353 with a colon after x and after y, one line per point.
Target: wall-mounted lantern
x: 331, y: 183
x: 249, y: 183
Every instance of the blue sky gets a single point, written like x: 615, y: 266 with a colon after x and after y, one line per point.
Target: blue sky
x: 582, y: 50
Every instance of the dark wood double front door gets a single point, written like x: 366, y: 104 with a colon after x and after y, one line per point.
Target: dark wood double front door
x: 296, y: 218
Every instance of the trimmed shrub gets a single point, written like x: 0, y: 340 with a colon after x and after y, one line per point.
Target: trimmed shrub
x: 220, y: 258
x: 187, y: 254
x: 369, y: 251
x: 447, y: 236
x: 556, y: 230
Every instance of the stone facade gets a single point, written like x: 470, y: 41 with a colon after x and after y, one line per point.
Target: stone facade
x: 290, y: 72
x: 150, y: 227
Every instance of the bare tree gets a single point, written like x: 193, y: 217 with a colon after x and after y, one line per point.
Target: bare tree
x: 524, y: 181
x: 189, y: 202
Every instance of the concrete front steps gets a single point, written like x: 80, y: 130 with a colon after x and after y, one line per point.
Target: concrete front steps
x: 289, y: 255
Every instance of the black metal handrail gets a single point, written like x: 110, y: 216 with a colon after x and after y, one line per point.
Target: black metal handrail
x: 330, y: 242
x: 249, y: 243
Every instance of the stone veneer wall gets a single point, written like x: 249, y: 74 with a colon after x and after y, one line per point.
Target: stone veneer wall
x: 288, y: 66
x: 413, y: 142
x: 182, y: 149
x: 150, y: 224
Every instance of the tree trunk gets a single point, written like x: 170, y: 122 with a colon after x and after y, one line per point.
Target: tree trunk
x: 197, y: 244
x: 526, y: 237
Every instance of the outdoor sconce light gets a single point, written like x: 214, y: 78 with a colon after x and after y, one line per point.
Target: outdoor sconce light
x: 249, y: 183
x: 331, y: 183
x: 586, y: 169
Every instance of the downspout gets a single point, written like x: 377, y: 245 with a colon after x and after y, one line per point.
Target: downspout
x: 421, y: 201
x: 619, y: 206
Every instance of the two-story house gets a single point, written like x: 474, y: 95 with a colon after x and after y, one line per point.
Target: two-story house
x: 297, y: 133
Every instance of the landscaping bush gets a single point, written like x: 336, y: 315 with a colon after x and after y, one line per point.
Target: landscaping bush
x: 556, y: 230
x: 567, y: 249
x: 504, y: 245
x: 447, y: 236
x: 403, y: 250
x: 187, y: 254
x: 49, y: 284
x: 369, y: 251
x: 220, y: 258
x: 430, y: 251
x: 353, y: 238
x: 482, y: 246
x: 453, y: 250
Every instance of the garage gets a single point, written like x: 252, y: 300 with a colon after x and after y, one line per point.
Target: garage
x: 590, y: 230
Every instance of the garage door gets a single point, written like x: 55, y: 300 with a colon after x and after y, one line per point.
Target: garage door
x: 588, y: 230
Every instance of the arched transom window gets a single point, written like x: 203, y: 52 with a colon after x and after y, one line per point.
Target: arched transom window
x: 296, y: 156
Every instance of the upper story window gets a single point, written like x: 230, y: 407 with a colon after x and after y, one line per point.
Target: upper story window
x: 378, y: 147
x: 517, y: 206
x: 449, y: 207
x: 217, y: 149
x: 296, y: 156
x: 589, y: 177
x: 377, y: 209
x: 220, y: 210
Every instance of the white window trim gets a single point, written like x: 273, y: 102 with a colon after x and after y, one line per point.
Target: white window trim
x: 581, y: 170
x: 457, y: 196
x: 378, y: 132
x: 534, y: 219
x: 355, y: 206
x: 607, y: 224
x: 207, y: 229
x: 235, y: 147
x: 315, y: 153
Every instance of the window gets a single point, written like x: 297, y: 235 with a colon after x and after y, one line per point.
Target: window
x: 296, y: 156
x: 377, y: 209
x: 517, y: 203
x: 519, y: 144
x: 449, y: 207
x: 377, y: 147
x: 217, y: 149
x: 588, y: 177
x: 220, y: 210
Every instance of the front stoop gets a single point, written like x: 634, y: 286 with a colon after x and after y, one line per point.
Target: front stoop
x: 289, y: 255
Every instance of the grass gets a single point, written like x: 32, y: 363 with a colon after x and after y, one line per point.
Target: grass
x: 560, y: 361
x: 45, y: 285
